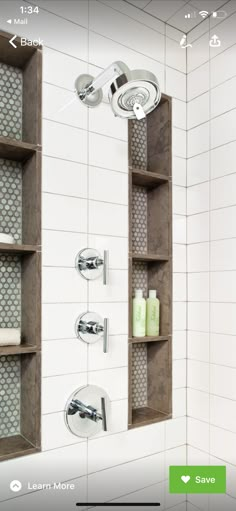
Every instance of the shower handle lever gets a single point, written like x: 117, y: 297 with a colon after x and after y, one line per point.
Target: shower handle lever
x: 91, y: 327
x: 91, y: 264
x: 89, y: 412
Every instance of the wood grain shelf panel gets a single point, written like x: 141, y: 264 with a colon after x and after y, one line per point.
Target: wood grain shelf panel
x: 18, y: 350
x: 148, y: 179
x: 158, y: 338
x: 16, y: 150
x: 149, y: 257
x: 11, y: 248
x: 146, y: 415
x: 14, y: 446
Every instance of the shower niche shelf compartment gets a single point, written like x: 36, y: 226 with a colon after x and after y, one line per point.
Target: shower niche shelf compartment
x: 150, y: 262
x: 20, y: 262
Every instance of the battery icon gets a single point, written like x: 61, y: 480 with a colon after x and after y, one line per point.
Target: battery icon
x: 219, y: 14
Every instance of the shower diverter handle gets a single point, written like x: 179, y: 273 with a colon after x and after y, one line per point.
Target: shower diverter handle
x: 91, y: 265
x: 89, y: 412
x: 90, y: 327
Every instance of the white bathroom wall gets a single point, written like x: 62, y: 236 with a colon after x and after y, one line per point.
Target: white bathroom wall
x: 85, y: 203
x: 211, y: 200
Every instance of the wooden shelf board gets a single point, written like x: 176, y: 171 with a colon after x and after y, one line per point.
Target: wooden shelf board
x: 18, y: 350
x: 13, y: 446
x: 149, y: 257
x: 13, y: 248
x: 145, y: 415
x: 16, y: 150
x: 158, y: 338
x: 148, y: 179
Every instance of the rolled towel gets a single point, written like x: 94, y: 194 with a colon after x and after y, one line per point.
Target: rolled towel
x: 9, y: 336
x: 6, y: 238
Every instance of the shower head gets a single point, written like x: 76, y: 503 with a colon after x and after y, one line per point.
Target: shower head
x: 133, y: 94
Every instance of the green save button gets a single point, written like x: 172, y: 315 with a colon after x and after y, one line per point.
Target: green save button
x: 197, y: 479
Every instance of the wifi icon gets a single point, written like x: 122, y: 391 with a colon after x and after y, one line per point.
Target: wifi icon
x: 203, y: 14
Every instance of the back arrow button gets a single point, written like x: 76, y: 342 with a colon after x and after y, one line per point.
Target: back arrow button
x: 11, y: 41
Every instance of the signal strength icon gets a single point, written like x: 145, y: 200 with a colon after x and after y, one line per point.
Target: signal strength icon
x: 190, y: 15
x: 203, y: 14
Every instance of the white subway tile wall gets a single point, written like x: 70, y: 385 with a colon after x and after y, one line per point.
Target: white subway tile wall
x: 85, y: 203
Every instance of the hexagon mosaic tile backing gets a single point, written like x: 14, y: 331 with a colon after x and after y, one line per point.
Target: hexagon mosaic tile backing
x: 10, y: 291
x: 10, y: 102
x: 139, y: 277
x: 9, y: 395
x: 139, y: 219
x: 139, y: 375
x: 11, y: 198
x: 139, y: 144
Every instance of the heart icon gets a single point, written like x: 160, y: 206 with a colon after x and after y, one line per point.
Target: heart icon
x: 185, y: 479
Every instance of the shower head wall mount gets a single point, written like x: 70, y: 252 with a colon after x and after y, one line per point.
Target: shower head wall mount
x: 133, y: 93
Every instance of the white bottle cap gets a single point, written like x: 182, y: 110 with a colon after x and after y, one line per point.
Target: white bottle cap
x: 152, y: 293
x: 138, y: 293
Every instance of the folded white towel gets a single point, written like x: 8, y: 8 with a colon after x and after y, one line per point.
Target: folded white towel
x: 6, y: 238
x: 9, y: 336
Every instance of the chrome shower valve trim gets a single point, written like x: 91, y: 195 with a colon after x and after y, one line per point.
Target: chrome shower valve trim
x: 92, y: 265
x: 84, y: 419
x: 90, y: 327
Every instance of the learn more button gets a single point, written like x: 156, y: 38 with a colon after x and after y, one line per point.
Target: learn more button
x: 197, y: 479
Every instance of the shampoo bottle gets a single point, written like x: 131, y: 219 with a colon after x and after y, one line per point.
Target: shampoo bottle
x: 153, y: 314
x: 139, y: 314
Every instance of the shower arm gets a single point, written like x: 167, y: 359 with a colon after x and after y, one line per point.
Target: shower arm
x: 115, y: 69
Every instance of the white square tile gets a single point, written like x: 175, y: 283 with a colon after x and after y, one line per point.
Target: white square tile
x: 223, y: 224
x: 198, y: 287
x: 179, y: 316
x: 164, y: 10
x: 63, y: 106
x: 114, y: 381
x: 125, y: 447
x: 78, y: 13
x: 198, y: 110
x: 56, y: 390
x: 223, y: 129
x: 54, y: 62
x: 179, y: 403
x: 179, y: 171
x: 105, y: 218
x: 198, y: 197
x: 179, y: 345
x: 223, y: 350
x: 63, y: 285
x: 137, y: 14
x: 66, y: 142
x: 198, y: 434
x: 118, y: 249
x: 223, y: 286
x: 58, y: 320
x: 199, y: 53
x: 179, y: 142
x: 223, y: 97
x: 223, y: 66
x: 223, y: 413
x: 113, y: 311
x: 179, y: 200
x: 198, y: 228
x: 223, y: 501
x: 179, y: 113
x: 223, y: 318
x: 108, y: 186
x: 175, y: 432
x: 61, y: 248
x: 197, y: 457
x: 115, y: 291
x: 198, y: 169
x: 107, y: 152
x: 102, y: 120
x: 198, y: 375
x: 64, y: 177
x: 117, y: 355
x: 179, y: 258
x: 198, y: 81
x: 198, y: 316
x: 175, y: 83
x: 222, y: 160
x: 198, y: 257
x: 176, y: 456
x: 223, y: 381
x: 179, y: 287
x: 179, y: 229
x: 63, y: 213
x: 223, y: 192
x: 198, y: 346
x: 198, y: 140
x: 179, y: 374
x: 175, y: 56
x: 198, y: 405
x: 65, y: 356
x: 222, y: 442
x: 122, y: 479
x: 55, y: 432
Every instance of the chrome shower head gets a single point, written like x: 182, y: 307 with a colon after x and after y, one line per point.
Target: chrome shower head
x: 133, y: 94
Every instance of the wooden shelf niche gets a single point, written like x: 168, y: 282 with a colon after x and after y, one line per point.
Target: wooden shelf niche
x: 20, y: 263
x: 150, y: 262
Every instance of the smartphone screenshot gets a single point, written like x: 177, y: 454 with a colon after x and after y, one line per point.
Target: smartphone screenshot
x: 118, y: 255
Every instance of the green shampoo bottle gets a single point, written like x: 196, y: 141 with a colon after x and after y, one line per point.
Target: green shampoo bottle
x: 153, y: 314
x: 139, y: 314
